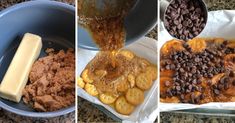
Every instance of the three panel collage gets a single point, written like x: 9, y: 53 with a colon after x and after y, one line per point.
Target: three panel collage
x: 111, y: 61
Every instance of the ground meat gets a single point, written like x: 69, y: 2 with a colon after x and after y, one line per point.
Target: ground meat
x: 52, y: 82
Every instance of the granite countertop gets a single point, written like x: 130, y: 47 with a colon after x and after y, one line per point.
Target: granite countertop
x: 170, y: 117
x: 7, y: 117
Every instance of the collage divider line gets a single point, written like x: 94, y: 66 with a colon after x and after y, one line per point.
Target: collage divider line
x: 158, y: 57
x: 76, y: 49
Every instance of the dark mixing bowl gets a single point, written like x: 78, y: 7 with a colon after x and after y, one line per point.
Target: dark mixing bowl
x: 53, y: 21
x: 141, y: 19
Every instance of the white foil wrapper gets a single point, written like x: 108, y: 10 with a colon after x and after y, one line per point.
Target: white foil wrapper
x: 147, y: 111
x: 220, y: 24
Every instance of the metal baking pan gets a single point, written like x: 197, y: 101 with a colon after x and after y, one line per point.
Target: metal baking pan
x: 208, y: 112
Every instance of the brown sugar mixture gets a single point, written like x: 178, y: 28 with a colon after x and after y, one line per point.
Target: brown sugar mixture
x: 198, y: 71
x: 52, y: 82
x: 108, y: 32
x: 108, y: 78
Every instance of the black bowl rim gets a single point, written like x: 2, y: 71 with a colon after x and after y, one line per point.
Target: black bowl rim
x: 151, y: 27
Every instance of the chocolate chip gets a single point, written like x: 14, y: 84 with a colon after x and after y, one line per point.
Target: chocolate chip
x: 202, y: 96
x: 226, y: 86
x: 182, y: 97
x: 210, y: 75
x: 181, y: 70
x: 168, y: 67
x: 220, y: 86
x: 178, y: 88
x: 172, y: 67
x: 216, y: 91
x: 233, y: 82
x: 196, y: 59
x: 194, y: 81
x: 194, y: 70
x: 162, y: 95
x: 167, y: 83
x: 226, y: 79
x: 231, y: 74
x: 169, y: 93
x: 192, y: 98
x: 225, y: 42
x: 196, y: 100
x: 190, y: 87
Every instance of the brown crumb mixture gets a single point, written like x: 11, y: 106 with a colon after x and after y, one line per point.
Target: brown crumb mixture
x: 52, y: 82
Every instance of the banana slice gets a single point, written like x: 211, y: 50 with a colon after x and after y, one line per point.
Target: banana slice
x: 197, y: 45
x: 85, y: 76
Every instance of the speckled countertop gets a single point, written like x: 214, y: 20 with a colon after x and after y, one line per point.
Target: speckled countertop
x: 168, y: 117
x: 7, y: 117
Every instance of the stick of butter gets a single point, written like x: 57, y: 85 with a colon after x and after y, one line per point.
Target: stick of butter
x: 17, y: 74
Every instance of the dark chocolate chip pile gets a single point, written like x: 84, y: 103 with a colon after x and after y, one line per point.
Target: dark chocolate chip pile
x: 223, y: 83
x: 185, y: 19
x: 191, y: 67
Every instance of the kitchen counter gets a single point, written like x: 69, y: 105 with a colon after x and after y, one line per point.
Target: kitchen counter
x: 7, y: 117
